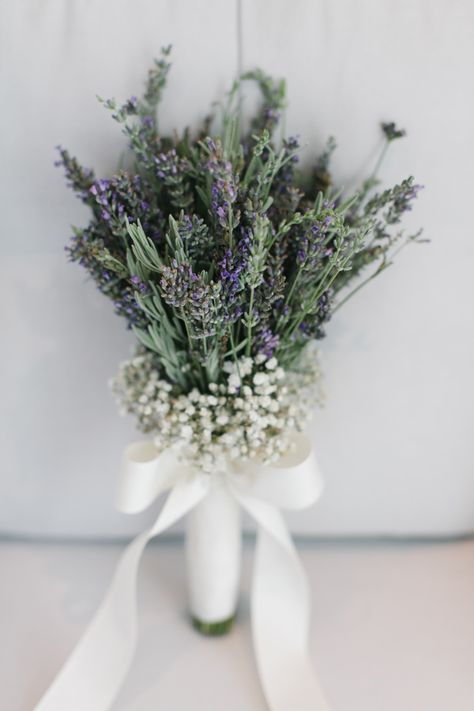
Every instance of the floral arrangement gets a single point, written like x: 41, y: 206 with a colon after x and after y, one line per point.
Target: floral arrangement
x: 227, y: 263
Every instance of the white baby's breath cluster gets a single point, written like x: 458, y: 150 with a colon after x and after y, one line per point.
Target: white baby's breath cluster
x: 249, y: 416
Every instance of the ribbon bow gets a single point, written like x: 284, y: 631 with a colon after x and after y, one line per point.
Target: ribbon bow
x: 280, y: 601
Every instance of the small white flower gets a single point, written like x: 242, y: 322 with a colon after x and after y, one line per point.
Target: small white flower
x: 271, y: 364
x: 186, y: 431
x: 260, y: 379
x: 245, y: 366
x: 234, y: 381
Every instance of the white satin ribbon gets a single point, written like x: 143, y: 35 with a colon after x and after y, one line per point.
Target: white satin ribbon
x: 95, y: 671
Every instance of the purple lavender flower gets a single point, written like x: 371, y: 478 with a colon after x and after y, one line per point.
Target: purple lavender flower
x: 392, y: 132
x: 126, y: 305
x: 173, y: 173
x: 224, y: 183
x: 312, y: 326
x: 267, y: 342
x: 231, y: 267
x: 78, y: 178
x: 139, y: 284
x: 194, y: 300
x: 119, y: 197
x: 311, y: 241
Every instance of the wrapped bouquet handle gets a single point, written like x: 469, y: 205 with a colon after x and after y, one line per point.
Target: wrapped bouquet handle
x: 93, y: 675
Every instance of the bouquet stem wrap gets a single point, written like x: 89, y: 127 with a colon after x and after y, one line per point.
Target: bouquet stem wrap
x: 213, y: 559
x: 93, y: 675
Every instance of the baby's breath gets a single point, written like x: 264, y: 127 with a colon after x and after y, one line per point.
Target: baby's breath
x: 250, y: 415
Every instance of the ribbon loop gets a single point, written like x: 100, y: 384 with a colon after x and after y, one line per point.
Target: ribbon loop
x: 292, y: 483
x: 145, y: 473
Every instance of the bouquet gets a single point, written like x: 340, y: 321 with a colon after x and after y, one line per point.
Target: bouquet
x: 227, y: 263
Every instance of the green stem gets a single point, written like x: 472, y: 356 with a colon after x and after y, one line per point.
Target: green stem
x: 384, y: 265
x: 213, y: 629
x: 231, y: 228
x: 316, y: 296
x: 317, y: 293
x: 198, y: 371
x: 250, y: 171
x: 371, y: 180
x: 236, y: 349
x: 232, y: 343
x: 248, y: 350
x: 187, y: 328
x: 379, y: 162
x: 288, y: 297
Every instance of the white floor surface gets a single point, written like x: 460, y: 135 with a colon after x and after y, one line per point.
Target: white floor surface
x: 392, y: 629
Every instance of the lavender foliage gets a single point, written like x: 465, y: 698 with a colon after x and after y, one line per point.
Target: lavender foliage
x: 215, y: 247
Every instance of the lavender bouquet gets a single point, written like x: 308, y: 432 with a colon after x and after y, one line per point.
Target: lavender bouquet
x: 227, y: 263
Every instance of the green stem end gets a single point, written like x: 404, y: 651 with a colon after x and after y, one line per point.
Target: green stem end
x: 213, y: 629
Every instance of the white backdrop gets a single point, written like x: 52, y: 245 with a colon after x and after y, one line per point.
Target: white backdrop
x: 395, y: 438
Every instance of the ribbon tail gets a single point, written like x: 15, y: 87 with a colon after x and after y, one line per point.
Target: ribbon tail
x: 93, y: 674
x: 281, y: 615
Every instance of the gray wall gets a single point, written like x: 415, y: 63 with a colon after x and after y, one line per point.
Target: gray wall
x: 395, y: 438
